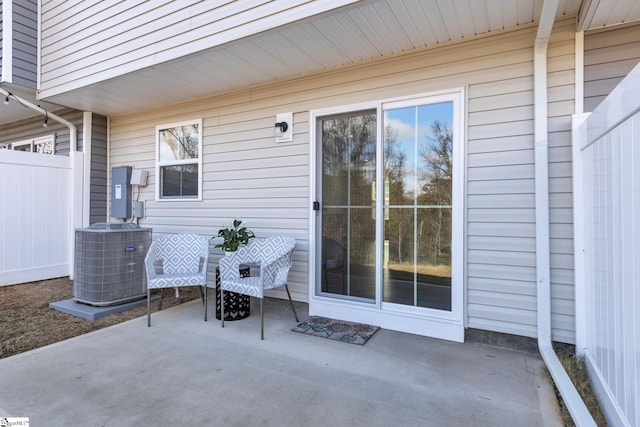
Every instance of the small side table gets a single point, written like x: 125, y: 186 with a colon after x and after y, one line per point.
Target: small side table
x: 236, y: 306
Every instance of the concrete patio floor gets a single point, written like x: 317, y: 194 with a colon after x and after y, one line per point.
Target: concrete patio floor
x: 185, y: 372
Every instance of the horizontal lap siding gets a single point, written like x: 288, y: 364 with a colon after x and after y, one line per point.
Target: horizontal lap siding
x: 248, y: 175
x: 501, y: 269
x: 86, y: 42
x: 98, y: 204
x: 609, y: 56
x: 2, y: 35
x: 25, y: 25
x: 561, y: 102
x: 500, y: 200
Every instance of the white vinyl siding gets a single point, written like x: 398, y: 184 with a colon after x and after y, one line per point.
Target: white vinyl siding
x: 561, y: 66
x: 248, y: 175
x: 501, y: 259
x: 114, y: 38
x: 609, y: 56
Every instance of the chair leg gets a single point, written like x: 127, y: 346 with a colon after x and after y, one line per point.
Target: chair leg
x: 222, y: 306
x: 201, y: 294
x: 291, y: 302
x: 206, y: 301
x: 261, y: 320
x: 161, y: 296
x: 148, y: 307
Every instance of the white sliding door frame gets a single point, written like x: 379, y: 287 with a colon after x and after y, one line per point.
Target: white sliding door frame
x: 422, y: 321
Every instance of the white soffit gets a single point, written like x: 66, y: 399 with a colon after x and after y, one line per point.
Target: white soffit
x: 351, y: 34
x: 601, y: 13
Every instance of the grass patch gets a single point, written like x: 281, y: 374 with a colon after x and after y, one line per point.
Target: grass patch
x: 577, y: 370
x: 430, y: 270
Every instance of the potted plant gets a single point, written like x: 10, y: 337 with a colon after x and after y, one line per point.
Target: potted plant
x: 234, y: 237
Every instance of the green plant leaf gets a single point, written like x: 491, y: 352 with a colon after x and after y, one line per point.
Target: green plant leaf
x: 234, y: 237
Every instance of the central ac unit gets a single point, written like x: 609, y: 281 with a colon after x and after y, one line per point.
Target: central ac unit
x: 109, y: 263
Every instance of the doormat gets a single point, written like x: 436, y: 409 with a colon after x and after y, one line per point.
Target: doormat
x: 339, y: 330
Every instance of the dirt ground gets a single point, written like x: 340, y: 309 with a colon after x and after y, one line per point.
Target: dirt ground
x: 27, y: 322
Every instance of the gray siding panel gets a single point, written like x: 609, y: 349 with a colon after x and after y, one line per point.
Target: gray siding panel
x: 1, y: 37
x: 25, y: 27
x: 609, y: 56
x: 75, y: 117
x: 98, y: 203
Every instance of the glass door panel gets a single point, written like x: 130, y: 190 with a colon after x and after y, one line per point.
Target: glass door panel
x: 346, y: 187
x: 417, y: 161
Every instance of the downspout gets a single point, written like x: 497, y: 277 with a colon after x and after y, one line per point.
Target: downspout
x: 76, y: 168
x: 572, y: 399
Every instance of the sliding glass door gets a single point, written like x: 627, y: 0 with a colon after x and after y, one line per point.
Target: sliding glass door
x: 417, y: 162
x: 348, y: 172
x: 388, y: 220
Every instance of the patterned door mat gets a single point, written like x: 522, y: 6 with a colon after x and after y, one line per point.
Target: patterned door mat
x: 339, y: 330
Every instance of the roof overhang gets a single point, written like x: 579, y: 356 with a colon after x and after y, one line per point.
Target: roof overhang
x: 14, y: 110
x: 350, y: 34
x: 596, y: 14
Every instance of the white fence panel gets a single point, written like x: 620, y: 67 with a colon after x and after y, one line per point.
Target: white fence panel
x: 610, y: 213
x: 35, y: 216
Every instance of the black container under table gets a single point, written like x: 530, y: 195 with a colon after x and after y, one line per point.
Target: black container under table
x: 236, y: 306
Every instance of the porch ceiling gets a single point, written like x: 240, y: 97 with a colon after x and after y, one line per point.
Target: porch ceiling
x: 365, y: 30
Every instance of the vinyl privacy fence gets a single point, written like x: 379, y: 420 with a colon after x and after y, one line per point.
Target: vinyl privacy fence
x: 35, y: 216
x: 608, y: 250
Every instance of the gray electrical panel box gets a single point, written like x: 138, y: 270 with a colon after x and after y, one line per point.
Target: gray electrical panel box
x: 121, y: 192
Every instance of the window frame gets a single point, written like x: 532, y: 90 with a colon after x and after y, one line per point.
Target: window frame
x: 43, y: 141
x: 32, y: 144
x: 160, y: 164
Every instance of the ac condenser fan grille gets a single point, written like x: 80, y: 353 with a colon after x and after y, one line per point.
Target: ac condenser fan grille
x: 109, y: 264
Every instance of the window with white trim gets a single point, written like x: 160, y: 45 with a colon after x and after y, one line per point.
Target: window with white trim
x: 179, y: 161
x: 22, y: 146
x: 42, y: 145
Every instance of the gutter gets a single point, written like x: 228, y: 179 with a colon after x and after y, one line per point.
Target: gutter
x: 76, y: 183
x: 572, y: 399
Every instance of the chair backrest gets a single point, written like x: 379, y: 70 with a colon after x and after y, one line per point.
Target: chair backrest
x: 280, y: 249
x: 278, y: 276
x: 264, y: 251
x: 270, y: 248
x: 181, y: 253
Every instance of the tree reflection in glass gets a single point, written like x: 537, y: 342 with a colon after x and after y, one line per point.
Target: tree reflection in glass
x: 348, y: 227
x: 418, y: 172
